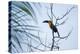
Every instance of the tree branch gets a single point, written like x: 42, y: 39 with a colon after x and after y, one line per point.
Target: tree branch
x: 66, y: 13
x: 63, y: 37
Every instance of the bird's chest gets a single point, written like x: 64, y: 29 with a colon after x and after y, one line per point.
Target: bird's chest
x: 50, y: 24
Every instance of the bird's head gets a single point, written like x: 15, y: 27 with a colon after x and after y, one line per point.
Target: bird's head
x: 49, y: 22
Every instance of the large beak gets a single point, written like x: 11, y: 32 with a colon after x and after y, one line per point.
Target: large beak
x: 45, y: 21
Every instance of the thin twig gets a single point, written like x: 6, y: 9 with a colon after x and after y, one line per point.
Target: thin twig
x: 66, y: 13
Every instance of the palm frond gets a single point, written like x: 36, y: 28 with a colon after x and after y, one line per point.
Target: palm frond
x: 26, y: 7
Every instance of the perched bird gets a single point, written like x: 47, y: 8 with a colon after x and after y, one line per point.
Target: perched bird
x: 52, y: 26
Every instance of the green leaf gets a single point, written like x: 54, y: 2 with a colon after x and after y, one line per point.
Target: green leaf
x: 22, y: 7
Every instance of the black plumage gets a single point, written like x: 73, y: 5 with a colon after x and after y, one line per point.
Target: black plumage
x: 52, y: 26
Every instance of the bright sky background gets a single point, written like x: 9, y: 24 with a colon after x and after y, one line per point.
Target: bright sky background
x: 46, y: 34
x: 71, y: 23
x: 4, y: 32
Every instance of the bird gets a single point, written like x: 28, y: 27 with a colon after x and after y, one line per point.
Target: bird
x: 52, y: 26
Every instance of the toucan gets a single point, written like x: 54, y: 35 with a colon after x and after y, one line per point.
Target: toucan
x: 52, y: 26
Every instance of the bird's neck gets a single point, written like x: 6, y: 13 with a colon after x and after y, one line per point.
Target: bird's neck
x: 50, y: 24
